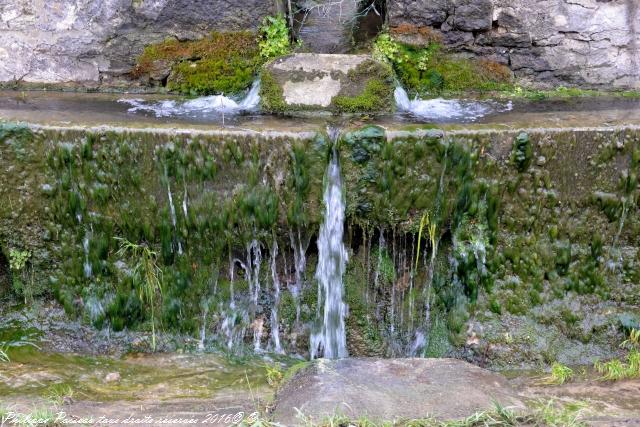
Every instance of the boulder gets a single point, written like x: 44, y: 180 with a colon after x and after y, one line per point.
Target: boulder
x: 325, y: 82
x: 391, y: 389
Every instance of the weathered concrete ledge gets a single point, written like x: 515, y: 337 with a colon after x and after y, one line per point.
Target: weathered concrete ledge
x: 391, y: 389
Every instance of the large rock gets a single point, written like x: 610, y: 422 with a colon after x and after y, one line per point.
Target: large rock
x: 95, y: 42
x: 310, y: 81
x: 390, y: 389
x: 473, y: 15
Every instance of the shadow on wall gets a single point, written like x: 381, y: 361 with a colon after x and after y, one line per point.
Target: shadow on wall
x: 5, y: 274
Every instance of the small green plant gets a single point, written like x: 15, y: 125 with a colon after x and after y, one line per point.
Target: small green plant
x: 148, y: 276
x: 612, y: 370
x: 560, y: 374
x: 59, y: 394
x: 4, y: 354
x: 18, y: 265
x: 633, y: 342
x: 552, y: 415
x: 275, y: 375
x: 273, y: 37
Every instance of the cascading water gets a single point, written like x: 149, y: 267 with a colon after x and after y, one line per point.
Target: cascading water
x: 203, y: 105
x: 331, y: 340
x: 440, y: 109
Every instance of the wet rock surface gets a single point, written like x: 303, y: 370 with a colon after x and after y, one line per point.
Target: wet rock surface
x: 391, y: 389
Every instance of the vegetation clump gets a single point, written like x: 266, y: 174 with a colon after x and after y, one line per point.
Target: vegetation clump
x: 427, y: 68
x: 220, y: 63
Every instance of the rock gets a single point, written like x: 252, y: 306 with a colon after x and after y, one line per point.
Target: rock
x: 94, y: 42
x: 112, y: 377
x: 419, y: 12
x: 309, y: 81
x: 389, y: 389
x: 473, y: 15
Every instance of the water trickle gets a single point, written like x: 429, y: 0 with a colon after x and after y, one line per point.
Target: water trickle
x: 275, y: 323
x: 172, y: 209
x: 203, y: 105
x: 88, y: 270
x: 440, y: 109
x: 331, y: 340
x: 300, y: 262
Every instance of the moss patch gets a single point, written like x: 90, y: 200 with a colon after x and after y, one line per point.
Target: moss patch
x: 428, y: 69
x: 220, y: 63
x: 377, y: 95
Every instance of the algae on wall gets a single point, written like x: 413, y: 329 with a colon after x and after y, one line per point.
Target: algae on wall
x: 457, y: 241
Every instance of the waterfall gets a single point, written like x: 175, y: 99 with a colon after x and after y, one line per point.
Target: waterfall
x: 205, y: 104
x: 332, y: 258
x: 440, y: 109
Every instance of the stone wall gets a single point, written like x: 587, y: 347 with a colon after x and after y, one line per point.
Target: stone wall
x: 97, y: 41
x: 547, y: 42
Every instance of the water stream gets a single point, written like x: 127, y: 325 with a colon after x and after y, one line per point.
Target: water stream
x: 330, y: 340
x: 440, y: 109
x: 203, y: 105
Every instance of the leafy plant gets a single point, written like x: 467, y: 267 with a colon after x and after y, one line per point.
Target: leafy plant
x: 148, y: 274
x: 273, y: 37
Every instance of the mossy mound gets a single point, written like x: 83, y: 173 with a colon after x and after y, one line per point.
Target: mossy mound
x: 427, y: 68
x: 220, y: 63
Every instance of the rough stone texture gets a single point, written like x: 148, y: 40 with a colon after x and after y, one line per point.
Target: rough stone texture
x: 97, y: 41
x: 310, y: 81
x: 391, y: 389
x: 589, y: 43
x: 325, y: 26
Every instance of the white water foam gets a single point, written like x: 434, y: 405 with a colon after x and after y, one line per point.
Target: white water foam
x: 440, y: 109
x: 202, y: 105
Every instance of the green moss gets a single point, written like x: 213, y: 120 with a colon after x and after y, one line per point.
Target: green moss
x: 430, y: 70
x: 377, y: 95
x: 271, y: 94
x: 220, y: 63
